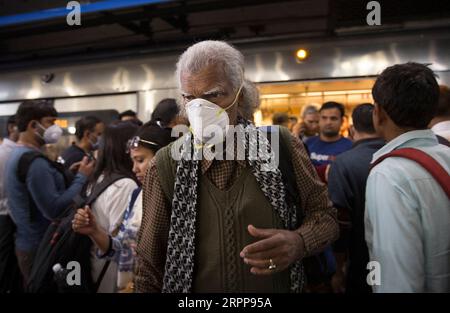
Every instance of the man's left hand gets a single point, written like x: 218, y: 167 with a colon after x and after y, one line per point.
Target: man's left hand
x: 283, y: 247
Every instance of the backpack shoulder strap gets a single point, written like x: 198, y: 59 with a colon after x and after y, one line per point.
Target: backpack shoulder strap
x: 167, y: 169
x: 427, y: 162
x: 100, y: 187
x: 23, y: 167
x: 443, y: 141
x: 27, y: 159
x: 134, y: 196
x: 25, y: 162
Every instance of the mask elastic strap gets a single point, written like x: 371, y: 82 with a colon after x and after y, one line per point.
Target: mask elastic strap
x: 41, y: 127
x: 234, y: 101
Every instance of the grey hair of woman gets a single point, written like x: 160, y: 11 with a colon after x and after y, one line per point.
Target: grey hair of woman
x: 219, y: 53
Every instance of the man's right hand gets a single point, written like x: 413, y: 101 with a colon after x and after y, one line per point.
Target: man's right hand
x: 86, y: 167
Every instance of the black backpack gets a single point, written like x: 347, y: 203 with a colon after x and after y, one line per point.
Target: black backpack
x: 62, y: 245
x: 10, y: 276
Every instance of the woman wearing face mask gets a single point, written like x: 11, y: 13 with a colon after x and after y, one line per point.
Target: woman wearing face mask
x: 121, y: 248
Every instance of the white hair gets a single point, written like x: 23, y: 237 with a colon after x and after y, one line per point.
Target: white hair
x: 216, y: 53
x: 310, y: 109
x: 250, y: 100
x: 221, y: 54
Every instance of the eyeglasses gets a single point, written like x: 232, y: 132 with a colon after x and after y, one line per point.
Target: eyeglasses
x: 134, y: 142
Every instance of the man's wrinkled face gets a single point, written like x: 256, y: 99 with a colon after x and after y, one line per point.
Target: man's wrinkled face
x: 330, y: 122
x: 311, y: 121
x: 208, y: 84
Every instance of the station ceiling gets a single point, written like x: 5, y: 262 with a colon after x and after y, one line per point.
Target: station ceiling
x: 32, y: 32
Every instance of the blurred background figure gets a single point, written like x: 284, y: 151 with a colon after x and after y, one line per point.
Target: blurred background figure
x: 130, y: 115
x: 11, y: 129
x: 346, y: 187
x: 323, y: 150
x: 292, y: 122
x: 10, y: 277
x: 8, y: 144
x: 309, y: 125
x: 281, y: 119
x: 440, y: 124
x: 165, y: 114
x: 89, y: 131
x: 329, y: 143
x: 345, y: 127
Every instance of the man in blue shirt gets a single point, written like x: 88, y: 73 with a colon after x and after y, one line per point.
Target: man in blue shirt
x: 44, y: 194
x: 324, y: 148
x: 407, y: 218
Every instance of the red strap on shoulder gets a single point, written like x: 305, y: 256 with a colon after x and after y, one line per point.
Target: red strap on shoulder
x: 427, y: 162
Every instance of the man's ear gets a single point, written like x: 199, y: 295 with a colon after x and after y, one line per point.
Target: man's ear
x: 86, y: 133
x: 375, y: 114
x: 32, y: 124
x: 380, y: 114
x: 11, y: 128
x: 351, y: 132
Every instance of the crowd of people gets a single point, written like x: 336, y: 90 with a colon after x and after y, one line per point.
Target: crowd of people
x: 156, y: 223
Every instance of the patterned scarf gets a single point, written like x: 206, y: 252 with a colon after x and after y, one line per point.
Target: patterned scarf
x: 181, y: 242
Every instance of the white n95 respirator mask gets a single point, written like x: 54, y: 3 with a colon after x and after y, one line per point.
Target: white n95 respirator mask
x: 51, y: 135
x: 207, y: 119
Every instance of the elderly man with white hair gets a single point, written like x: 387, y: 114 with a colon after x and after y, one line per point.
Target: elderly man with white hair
x: 224, y: 225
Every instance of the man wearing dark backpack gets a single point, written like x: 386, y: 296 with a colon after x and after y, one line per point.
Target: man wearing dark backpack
x: 407, y: 218
x: 36, y: 187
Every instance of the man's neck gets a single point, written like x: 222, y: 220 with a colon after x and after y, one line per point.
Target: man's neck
x: 364, y: 136
x: 391, y: 134
x: 83, y: 145
x: 438, y: 120
x: 28, y: 140
x: 330, y: 139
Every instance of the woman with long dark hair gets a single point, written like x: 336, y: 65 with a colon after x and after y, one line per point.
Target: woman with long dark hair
x: 108, y: 209
x: 121, y: 248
